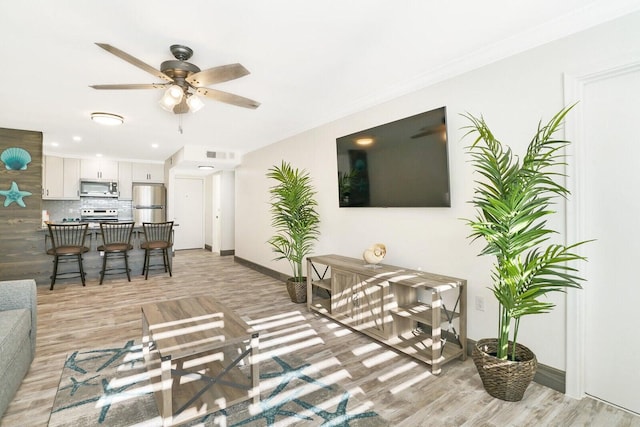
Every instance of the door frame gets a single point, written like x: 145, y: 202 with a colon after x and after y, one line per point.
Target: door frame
x: 574, y: 86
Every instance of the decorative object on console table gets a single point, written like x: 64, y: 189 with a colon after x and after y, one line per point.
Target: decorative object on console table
x: 384, y: 304
x: 512, y: 201
x: 294, y: 217
x: 375, y: 254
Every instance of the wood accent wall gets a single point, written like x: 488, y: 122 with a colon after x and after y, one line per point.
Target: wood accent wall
x: 21, y: 243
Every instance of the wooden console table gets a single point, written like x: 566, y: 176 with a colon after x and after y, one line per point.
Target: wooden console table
x: 381, y: 301
x: 193, y: 349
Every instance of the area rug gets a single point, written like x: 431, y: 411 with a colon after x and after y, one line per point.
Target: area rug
x: 110, y: 387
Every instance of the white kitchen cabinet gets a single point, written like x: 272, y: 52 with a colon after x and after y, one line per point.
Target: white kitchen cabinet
x: 99, y: 169
x: 125, y: 180
x: 148, y: 172
x: 61, y: 178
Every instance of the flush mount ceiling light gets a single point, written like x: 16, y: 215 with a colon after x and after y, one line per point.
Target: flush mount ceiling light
x: 107, y: 119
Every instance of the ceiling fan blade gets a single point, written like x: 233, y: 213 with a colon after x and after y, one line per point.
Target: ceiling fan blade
x: 131, y: 86
x: 135, y: 61
x: 229, y: 98
x: 219, y: 74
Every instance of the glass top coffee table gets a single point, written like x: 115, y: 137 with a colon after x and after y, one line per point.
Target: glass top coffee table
x: 201, y: 357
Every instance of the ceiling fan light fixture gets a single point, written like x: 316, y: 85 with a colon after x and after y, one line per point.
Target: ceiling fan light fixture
x: 175, y: 92
x: 108, y: 119
x: 171, y: 97
x: 194, y: 102
x: 166, y: 104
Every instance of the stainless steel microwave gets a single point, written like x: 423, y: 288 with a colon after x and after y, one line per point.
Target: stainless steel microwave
x: 98, y: 189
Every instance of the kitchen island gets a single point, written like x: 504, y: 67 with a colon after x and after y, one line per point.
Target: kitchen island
x: 92, y: 260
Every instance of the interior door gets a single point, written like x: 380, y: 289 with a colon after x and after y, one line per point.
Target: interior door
x: 611, y: 208
x: 189, y: 213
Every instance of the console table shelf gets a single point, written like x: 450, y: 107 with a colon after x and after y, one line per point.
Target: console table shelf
x: 324, y: 284
x: 422, y: 313
x: 382, y: 301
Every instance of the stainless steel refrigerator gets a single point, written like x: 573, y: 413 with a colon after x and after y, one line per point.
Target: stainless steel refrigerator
x: 149, y: 203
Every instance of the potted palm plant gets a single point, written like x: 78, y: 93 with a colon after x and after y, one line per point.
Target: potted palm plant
x: 296, y: 222
x: 512, y: 200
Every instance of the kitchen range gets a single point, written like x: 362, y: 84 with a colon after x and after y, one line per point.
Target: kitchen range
x: 94, y: 216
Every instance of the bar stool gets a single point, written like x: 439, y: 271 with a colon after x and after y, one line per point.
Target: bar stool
x: 67, y: 242
x: 158, y: 237
x: 116, y: 242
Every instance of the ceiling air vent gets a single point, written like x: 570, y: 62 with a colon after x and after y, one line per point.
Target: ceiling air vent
x: 219, y: 155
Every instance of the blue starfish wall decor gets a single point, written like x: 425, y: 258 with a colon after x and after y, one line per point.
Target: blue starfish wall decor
x: 14, y: 194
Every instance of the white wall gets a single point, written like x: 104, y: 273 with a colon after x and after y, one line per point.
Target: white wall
x: 227, y: 204
x: 220, y: 210
x: 512, y: 95
x: 209, y: 213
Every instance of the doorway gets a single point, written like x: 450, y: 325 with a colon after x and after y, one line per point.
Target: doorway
x: 188, y: 213
x: 602, y: 332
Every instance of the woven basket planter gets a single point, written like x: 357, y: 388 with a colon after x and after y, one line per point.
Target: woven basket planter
x: 504, y: 379
x: 297, y: 290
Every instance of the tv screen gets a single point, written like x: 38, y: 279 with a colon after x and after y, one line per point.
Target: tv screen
x: 399, y: 164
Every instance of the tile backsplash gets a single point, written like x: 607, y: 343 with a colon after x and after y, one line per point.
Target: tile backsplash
x: 61, y: 209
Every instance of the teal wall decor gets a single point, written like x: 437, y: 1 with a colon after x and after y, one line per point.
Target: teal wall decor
x: 22, y: 254
x: 14, y: 195
x: 15, y: 158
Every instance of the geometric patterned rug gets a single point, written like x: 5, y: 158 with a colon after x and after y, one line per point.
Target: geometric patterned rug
x: 110, y: 387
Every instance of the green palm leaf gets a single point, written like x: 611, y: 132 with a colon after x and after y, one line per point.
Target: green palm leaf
x: 512, y: 200
x: 293, y: 215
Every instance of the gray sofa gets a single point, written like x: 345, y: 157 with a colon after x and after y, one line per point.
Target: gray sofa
x: 17, y: 335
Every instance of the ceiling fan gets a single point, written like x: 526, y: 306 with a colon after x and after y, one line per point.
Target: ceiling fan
x: 183, y: 81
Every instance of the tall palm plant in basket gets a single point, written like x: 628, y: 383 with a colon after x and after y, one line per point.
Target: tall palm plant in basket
x: 513, y: 198
x: 295, y: 220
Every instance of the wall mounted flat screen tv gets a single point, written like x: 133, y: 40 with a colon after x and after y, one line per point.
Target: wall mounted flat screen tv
x: 399, y: 164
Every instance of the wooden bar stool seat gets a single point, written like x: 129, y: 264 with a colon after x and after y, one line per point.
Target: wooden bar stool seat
x: 67, y: 244
x: 158, y: 239
x: 116, y: 243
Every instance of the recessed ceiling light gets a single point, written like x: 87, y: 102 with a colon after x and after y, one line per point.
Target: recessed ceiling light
x: 77, y: 138
x: 154, y: 145
x: 107, y: 119
x: 54, y: 144
x: 99, y: 155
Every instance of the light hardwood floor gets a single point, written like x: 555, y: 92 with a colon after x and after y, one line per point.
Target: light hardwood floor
x: 400, y: 389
